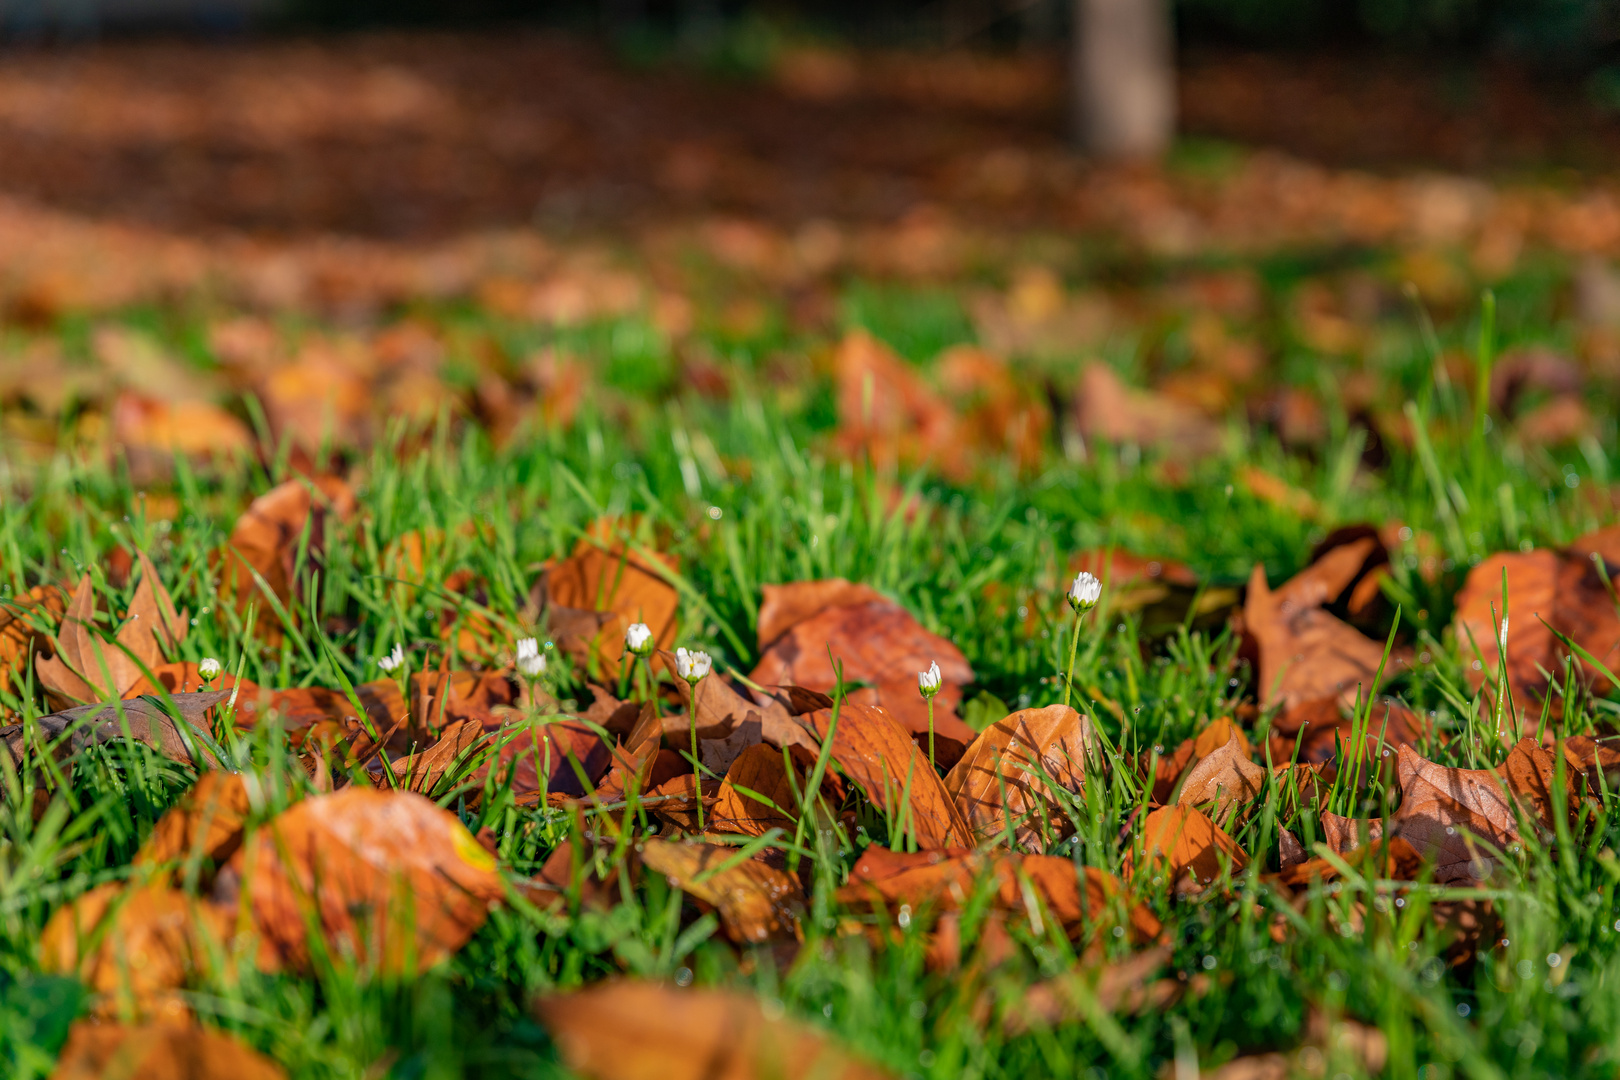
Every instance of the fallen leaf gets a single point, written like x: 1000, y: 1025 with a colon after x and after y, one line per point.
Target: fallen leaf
x: 624, y: 1030
x: 97, y: 1051
x: 182, y: 677
x: 606, y: 579
x: 1189, y: 845
x: 755, y: 902
x: 548, y: 754
x: 1445, y: 814
x: 135, y: 947
x: 266, y: 539
x: 87, y: 668
x: 1306, y: 654
x: 1107, y: 410
x: 422, y: 771
x: 945, y: 880
x: 148, y: 719
x: 1007, y: 776
x: 1223, y: 777
x: 393, y: 882
x: 879, y: 757
x: 878, y: 642
x: 757, y: 794
x: 1121, y: 986
x: 206, y: 823
x: 785, y: 606
x: 887, y: 413
x: 25, y: 622
x: 1532, y: 591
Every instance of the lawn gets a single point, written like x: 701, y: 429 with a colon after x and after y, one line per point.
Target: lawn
x: 1316, y: 478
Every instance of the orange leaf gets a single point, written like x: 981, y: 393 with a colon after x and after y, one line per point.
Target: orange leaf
x: 159, y: 1052
x: 207, y: 821
x: 606, y: 578
x: 649, y: 1031
x: 756, y: 902
x: 1193, y: 848
x: 390, y: 879
x: 1006, y: 772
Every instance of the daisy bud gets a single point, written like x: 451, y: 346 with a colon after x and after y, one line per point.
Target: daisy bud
x: 639, y: 639
x: 209, y: 668
x: 928, y: 681
x: 394, y: 659
x: 529, y: 661
x: 692, y: 665
x: 1085, y: 591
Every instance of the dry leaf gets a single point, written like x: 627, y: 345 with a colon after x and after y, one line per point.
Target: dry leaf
x: 158, y: 1052
x: 945, y: 880
x: 1190, y: 846
x: 1011, y: 769
x: 878, y: 642
x: 25, y: 622
x: 756, y: 902
x: 135, y: 946
x: 887, y: 413
x: 785, y: 606
x: 207, y: 823
x: 393, y: 882
x: 650, y: 1031
x: 1446, y: 814
x: 1223, y: 776
x: 86, y: 668
x: 758, y: 774
x: 879, y: 757
x: 148, y: 721
x: 265, y: 542
x: 607, y: 579
x: 1109, y: 411
x: 1306, y: 654
x: 421, y: 772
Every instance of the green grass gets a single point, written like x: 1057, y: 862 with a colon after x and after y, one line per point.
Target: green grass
x: 964, y: 567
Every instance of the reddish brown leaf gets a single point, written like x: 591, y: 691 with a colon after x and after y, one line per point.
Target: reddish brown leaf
x: 785, y: 606
x: 25, y: 627
x: 878, y: 642
x: 649, y: 1031
x: 1109, y: 411
x: 887, y: 413
x: 392, y: 881
x: 755, y: 902
x: 1190, y: 846
x: 136, y: 946
x: 879, y: 757
x: 945, y: 880
x: 88, y: 668
x: 97, y: 1051
x: 1006, y: 777
x: 265, y: 541
x: 1306, y: 654
x: 1447, y: 813
x: 148, y: 721
x: 1223, y: 776
x: 422, y: 771
x: 207, y: 823
x: 549, y: 754
x: 757, y: 794
x: 626, y: 587
x: 1532, y: 587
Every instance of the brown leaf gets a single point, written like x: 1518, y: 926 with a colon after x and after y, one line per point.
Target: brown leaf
x: 606, y: 578
x: 543, y: 753
x: 265, y: 542
x: 785, y: 606
x: 1107, y: 410
x: 148, y: 719
x: 392, y: 881
x: 888, y: 413
x: 946, y: 879
x: 878, y: 642
x: 1446, y: 813
x: 207, y: 823
x: 25, y: 622
x: 159, y: 1052
x: 627, y: 1030
x: 756, y: 902
x: 1118, y: 986
x: 879, y: 757
x: 1532, y: 587
x: 1223, y: 776
x: 1597, y: 760
x: 756, y: 774
x: 1009, y: 770
x: 135, y: 946
x: 1192, y: 847
x: 422, y: 771
x: 1306, y: 654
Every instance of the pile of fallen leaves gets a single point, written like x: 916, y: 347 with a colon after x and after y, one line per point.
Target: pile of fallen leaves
x: 724, y: 785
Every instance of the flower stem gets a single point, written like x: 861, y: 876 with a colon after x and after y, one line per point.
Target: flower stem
x: 931, y: 764
x: 1074, y: 647
x: 697, y: 762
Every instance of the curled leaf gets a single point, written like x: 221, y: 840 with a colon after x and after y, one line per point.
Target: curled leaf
x: 1010, y: 771
x: 1192, y: 848
x: 756, y: 902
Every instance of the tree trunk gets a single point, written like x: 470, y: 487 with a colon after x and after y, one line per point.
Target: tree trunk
x: 1124, y: 78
